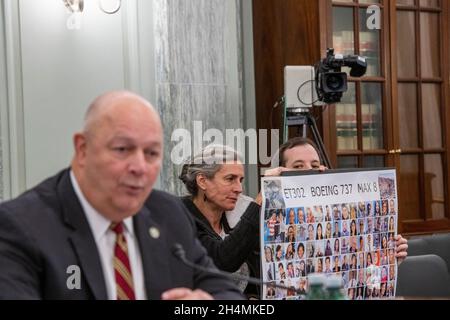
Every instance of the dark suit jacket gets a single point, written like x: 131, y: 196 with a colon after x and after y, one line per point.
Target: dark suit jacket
x: 241, y: 245
x: 44, y: 231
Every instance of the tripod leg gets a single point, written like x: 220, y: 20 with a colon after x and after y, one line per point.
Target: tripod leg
x: 319, y: 141
x: 301, y: 130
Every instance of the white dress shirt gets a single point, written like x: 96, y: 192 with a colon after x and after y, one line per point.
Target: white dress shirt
x: 105, y: 239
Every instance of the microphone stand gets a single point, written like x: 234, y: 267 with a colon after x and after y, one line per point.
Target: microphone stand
x: 179, y: 252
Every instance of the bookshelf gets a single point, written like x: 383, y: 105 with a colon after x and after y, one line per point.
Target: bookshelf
x: 394, y: 116
x: 360, y: 115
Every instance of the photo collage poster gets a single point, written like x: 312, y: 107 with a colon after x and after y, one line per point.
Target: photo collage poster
x: 335, y: 223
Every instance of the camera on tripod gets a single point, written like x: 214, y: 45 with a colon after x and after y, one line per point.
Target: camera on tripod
x: 307, y: 85
x: 331, y: 83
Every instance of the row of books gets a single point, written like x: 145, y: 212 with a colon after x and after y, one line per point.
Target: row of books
x: 346, y: 127
x: 343, y: 42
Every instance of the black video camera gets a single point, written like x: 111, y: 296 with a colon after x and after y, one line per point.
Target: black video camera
x: 331, y: 83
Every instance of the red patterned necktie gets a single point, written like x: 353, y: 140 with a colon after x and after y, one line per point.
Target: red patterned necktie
x: 122, y: 269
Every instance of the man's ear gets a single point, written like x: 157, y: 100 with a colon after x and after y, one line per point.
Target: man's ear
x: 79, y: 142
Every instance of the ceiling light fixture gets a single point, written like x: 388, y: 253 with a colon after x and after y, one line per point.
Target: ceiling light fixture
x: 109, y: 7
x: 74, y: 5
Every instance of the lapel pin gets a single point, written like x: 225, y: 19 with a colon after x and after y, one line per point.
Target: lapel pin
x: 154, y: 232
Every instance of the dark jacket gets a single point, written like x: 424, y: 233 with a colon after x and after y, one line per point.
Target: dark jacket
x: 45, y: 231
x: 241, y: 245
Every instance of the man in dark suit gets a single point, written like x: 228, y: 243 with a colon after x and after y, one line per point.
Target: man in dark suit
x: 86, y: 233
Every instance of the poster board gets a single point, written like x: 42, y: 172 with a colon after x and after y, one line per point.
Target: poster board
x: 335, y: 222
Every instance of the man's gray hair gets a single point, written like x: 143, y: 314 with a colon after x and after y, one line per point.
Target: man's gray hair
x: 207, y: 162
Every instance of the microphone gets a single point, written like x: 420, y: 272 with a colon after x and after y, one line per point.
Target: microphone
x: 179, y: 252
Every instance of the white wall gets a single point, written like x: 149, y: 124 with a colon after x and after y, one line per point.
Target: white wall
x: 11, y: 106
x: 59, y: 72
x: 4, y: 179
x: 49, y: 74
x: 252, y: 172
x: 63, y: 71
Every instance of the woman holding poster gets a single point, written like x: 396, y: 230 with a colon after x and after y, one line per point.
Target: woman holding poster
x: 213, y: 179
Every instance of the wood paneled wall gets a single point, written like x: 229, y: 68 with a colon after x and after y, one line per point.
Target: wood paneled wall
x: 286, y: 32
